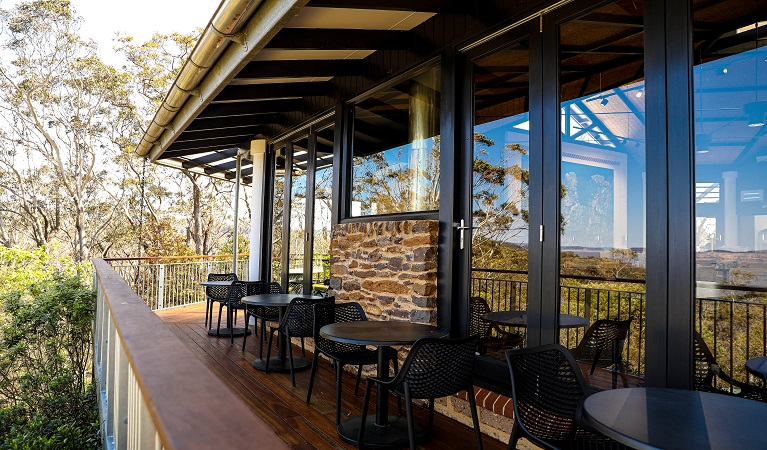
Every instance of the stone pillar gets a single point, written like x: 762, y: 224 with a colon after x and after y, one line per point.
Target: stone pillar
x: 258, y: 154
x: 729, y: 199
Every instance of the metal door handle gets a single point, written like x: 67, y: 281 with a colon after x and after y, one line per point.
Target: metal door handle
x: 461, y: 228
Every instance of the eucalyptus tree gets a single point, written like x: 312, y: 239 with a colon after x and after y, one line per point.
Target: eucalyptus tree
x: 62, y: 109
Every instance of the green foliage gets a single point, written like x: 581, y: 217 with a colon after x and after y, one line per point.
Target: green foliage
x: 46, y: 312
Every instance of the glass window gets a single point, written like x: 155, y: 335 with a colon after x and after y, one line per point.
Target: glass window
x: 396, y: 148
x: 730, y: 98
x: 323, y: 196
x: 297, y: 232
x: 277, y: 213
x: 603, y: 171
x: 501, y: 173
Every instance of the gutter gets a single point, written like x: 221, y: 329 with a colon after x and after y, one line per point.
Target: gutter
x: 249, y: 24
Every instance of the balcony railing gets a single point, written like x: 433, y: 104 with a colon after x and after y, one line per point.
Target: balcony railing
x: 154, y: 393
x: 173, y: 281
x: 733, y: 320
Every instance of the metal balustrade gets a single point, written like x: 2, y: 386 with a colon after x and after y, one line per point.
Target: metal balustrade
x: 153, y: 392
x: 173, y: 281
x: 734, y: 322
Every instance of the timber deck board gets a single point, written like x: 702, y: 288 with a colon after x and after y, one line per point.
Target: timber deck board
x: 284, y: 408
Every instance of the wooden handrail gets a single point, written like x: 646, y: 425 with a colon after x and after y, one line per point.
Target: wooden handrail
x: 189, y: 406
x: 158, y: 258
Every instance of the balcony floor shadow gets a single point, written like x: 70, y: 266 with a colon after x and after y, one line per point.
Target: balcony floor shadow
x: 284, y: 408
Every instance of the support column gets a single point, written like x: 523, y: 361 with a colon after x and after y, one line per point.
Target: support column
x: 258, y: 155
x: 236, y: 209
x: 730, y: 198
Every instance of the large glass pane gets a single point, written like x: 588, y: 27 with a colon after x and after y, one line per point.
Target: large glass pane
x: 730, y: 97
x: 297, y: 217
x: 277, y: 214
x: 323, y: 195
x: 396, y: 148
x: 500, y: 199
x: 602, y: 139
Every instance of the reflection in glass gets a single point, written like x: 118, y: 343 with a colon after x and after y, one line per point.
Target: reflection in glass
x: 500, y: 197
x: 730, y: 98
x: 297, y: 217
x: 602, y: 144
x: 277, y: 214
x: 323, y: 195
x: 396, y: 148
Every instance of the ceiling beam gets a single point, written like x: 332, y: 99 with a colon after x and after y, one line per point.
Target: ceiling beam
x: 248, y: 130
x: 249, y: 108
x: 202, y: 143
x: 209, y: 159
x: 229, y: 165
x: 434, y: 6
x: 202, y: 124
x: 340, y: 39
x: 244, y: 173
x: 193, y: 151
x: 304, y: 68
x: 273, y: 91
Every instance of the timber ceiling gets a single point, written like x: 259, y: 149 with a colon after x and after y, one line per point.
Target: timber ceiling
x: 335, y: 49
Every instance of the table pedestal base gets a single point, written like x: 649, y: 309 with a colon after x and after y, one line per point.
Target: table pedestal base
x: 277, y: 365
x: 393, y: 434
x: 224, y: 332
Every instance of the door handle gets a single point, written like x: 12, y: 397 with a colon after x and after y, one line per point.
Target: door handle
x: 461, y: 227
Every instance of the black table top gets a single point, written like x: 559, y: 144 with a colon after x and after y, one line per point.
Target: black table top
x: 378, y: 332
x: 275, y: 299
x: 215, y: 283
x: 674, y: 418
x: 757, y: 366
x: 519, y: 319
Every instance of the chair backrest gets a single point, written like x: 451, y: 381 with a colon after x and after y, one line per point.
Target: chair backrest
x: 547, y: 387
x: 327, y: 313
x: 602, y: 334
x: 705, y: 365
x: 237, y: 290
x: 219, y: 293
x: 438, y: 367
x: 477, y: 325
x: 299, y: 318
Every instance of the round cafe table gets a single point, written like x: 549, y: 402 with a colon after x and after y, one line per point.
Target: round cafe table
x: 387, y: 430
x: 223, y: 331
x: 280, y: 362
x: 649, y: 418
x: 519, y: 319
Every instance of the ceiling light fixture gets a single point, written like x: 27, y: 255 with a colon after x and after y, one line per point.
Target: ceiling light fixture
x: 702, y: 143
x: 604, y: 101
x: 755, y: 112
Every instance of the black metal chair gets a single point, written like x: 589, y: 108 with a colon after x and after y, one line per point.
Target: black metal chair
x: 342, y: 354
x: 298, y: 321
x: 216, y: 294
x: 706, y: 368
x: 262, y: 313
x: 547, y: 388
x: 434, y: 368
x: 602, y: 346
x: 491, y: 337
x: 236, y: 291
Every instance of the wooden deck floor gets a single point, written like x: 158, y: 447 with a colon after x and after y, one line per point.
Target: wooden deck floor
x: 283, y: 407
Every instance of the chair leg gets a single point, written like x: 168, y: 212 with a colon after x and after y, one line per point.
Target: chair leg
x: 339, y: 376
x: 365, y: 399
x: 218, y: 327
x: 290, y: 357
x: 269, y: 350
x: 229, y: 313
x: 261, y: 338
x: 210, y: 315
x: 474, y: 416
x: 516, y: 433
x: 359, y: 378
x: 207, y: 306
x: 431, y: 416
x: 409, y: 412
x: 245, y: 336
x: 315, y: 361
x: 303, y: 350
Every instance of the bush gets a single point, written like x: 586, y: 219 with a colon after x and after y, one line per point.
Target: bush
x: 46, y: 395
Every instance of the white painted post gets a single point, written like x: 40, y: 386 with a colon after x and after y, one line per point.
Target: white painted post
x: 258, y: 154
x: 161, y: 287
